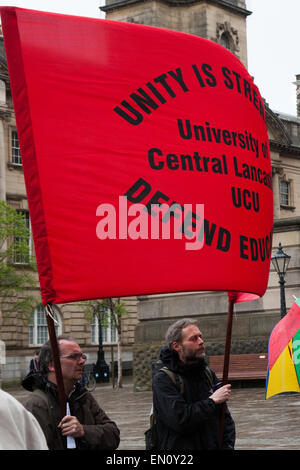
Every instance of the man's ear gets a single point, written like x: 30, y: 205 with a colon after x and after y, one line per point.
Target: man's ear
x: 51, y: 367
x: 176, y: 346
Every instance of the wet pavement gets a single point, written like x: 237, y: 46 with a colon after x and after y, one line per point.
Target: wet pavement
x: 272, y: 424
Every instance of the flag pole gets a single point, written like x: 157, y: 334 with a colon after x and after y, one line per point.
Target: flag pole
x: 226, y: 361
x: 56, y: 360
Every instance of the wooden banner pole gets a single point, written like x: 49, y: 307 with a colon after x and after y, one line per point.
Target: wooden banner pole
x: 56, y: 361
x: 226, y: 362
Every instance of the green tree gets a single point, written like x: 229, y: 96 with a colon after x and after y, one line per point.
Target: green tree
x: 110, y: 312
x: 17, y: 266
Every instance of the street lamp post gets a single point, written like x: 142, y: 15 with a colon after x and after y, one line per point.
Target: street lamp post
x: 280, y: 261
x: 101, y: 369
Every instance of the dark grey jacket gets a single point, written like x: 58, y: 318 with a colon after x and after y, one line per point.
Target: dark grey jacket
x: 190, y: 421
x: 100, y: 432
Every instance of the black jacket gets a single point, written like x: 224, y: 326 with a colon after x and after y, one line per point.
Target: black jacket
x: 190, y: 421
x: 100, y: 432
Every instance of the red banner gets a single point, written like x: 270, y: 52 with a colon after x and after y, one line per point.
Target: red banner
x: 145, y: 155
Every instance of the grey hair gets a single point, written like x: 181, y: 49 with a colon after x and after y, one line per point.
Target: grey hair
x: 174, y: 332
x: 45, y: 355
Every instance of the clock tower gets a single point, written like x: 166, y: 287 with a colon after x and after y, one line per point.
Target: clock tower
x: 222, y: 21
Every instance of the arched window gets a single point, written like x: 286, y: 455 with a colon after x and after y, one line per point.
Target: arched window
x: 109, y: 332
x: 225, y: 41
x: 38, y: 330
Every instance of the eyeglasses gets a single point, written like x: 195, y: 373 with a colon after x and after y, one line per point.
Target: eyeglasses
x: 76, y: 356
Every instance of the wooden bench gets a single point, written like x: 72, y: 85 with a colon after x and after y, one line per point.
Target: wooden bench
x: 241, y: 366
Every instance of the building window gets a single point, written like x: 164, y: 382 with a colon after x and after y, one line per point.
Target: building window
x: 15, y: 149
x: 2, y: 92
x: 38, y: 329
x: 228, y: 36
x: 225, y: 41
x: 109, y: 332
x: 21, y: 257
x: 285, y: 193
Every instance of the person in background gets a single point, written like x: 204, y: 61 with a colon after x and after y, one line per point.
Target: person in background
x: 34, y: 363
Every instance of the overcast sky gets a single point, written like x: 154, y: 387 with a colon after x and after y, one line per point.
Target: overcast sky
x: 273, y: 42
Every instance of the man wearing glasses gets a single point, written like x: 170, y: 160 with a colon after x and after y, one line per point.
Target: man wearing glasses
x: 85, y: 426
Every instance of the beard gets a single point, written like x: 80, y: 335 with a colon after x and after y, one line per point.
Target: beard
x: 192, y: 356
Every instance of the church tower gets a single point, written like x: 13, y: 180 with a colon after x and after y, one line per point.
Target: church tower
x: 222, y: 21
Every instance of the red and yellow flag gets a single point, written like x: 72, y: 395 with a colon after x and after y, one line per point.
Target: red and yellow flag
x: 284, y: 354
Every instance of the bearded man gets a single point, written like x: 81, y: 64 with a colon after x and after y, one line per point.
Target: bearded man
x: 189, y: 417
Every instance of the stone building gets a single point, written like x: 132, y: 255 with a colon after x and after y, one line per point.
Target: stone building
x: 223, y: 22
x: 22, y: 339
